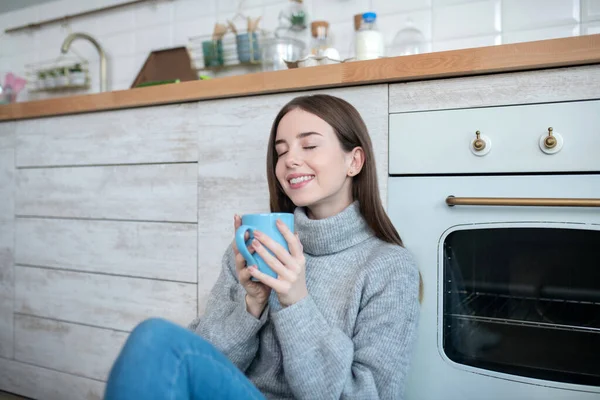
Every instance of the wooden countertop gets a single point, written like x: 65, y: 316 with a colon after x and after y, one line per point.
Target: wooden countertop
x: 511, y: 57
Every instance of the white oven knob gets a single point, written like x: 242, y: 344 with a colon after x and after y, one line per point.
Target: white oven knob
x: 552, y: 142
x: 481, y: 145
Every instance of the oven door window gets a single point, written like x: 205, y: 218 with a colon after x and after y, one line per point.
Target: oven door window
x: 524, y: 301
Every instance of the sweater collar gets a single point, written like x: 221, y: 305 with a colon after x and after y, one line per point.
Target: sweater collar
x: 333, y: 234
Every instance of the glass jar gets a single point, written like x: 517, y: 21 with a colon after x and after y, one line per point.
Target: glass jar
x: 369, y: 41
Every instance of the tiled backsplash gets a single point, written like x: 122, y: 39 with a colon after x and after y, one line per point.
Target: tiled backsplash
x: 129, y: 34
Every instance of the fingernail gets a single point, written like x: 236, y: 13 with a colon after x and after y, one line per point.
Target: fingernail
x: 255, y: 243
x: 278, y: 221
x: 257, y: 233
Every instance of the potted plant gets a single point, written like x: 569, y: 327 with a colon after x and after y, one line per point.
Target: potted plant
x: 41, y: 80
x: 50, y: 80
x: 76, y: 75
x: 61, y: 77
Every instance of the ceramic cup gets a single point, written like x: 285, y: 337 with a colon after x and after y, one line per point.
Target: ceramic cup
x: 247, y: 47
x: 212, y: 50
x: 265, y: 223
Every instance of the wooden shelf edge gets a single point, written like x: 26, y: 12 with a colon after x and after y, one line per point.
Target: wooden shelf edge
x: 553, y: 53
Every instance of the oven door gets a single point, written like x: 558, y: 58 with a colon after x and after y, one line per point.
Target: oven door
x: 511, y: 305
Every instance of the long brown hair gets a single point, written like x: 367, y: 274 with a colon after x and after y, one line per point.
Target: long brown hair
x: 352, y: 132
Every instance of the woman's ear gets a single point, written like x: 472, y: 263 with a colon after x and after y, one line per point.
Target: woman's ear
x: 357, y: 161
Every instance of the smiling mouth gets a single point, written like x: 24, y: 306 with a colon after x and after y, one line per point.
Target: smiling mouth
x: 300, y: 179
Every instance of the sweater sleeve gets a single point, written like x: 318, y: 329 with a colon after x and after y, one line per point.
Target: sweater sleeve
x: 321, y: 361
x: 226, y: 323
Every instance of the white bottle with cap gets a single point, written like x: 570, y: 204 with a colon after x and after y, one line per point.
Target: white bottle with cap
x: 369, y: 41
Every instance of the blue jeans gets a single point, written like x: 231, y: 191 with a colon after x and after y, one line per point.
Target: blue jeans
x: 161, y: 360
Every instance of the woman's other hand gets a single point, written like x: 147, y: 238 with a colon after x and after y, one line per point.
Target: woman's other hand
x: 290, y: 267
x: 257, y: 293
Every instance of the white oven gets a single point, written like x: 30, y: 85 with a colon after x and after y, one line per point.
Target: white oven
x: 506, y: 233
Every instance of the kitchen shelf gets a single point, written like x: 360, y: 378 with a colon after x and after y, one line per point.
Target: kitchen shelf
x: 563, y: 314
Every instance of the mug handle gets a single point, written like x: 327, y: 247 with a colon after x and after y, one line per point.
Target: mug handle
x: 242, y: 245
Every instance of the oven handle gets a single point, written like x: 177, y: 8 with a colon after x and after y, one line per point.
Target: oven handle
x: 520, y: 202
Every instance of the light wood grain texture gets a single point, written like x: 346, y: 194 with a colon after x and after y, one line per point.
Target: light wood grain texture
x: 143, y: 249
x: 165, y: 192
x: 66, y: 347
x: 232, y: 164
x: 544, y: 86
x: 149, y: 135
x: 511, y: 57
x: 7, y: 240
x: 101, y: 300
x: 41, y: 383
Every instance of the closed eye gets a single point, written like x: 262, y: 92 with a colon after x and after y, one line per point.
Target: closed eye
x: 309, y: 147
x: 280, y: 154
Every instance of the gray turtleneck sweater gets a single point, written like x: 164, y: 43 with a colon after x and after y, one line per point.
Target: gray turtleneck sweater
x: 350, y: 338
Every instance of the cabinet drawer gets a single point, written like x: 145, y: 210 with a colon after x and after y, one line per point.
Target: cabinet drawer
x: 439, y: 142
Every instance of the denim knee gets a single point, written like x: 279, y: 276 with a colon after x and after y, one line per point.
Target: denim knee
x: 151, y: 333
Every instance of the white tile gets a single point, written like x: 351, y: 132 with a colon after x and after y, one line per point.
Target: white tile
x: 153, y: 13
x: 520, y: 15
x: 185, y: 10
x: 590, y: 10
x: 383, y: 7
x: 270, y: 17
x: 182, y: 31
x: 467, y: 43
x: 152, y: 38
x: 17, y: 43
x: 50, y: 38
x: 231, y: 6
x: 118, y: 44
x: 57, y: 9
x: 19, y: 17
x: 590, y: 28
x: 122, y: 69
x: 339, y: 10
x: 441, y: 3
x: 113, y: 21
x: 480, y: 18
x: 540, y: 34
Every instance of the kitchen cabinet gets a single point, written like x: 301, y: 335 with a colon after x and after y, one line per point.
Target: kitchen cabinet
x: 7, y: 233
x: 123, y: 215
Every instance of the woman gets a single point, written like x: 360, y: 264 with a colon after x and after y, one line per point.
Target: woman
x: 339, y: 321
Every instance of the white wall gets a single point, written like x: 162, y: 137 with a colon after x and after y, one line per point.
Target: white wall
x: 130, y: 33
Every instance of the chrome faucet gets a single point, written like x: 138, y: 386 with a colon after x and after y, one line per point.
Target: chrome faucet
x: 67, y: 43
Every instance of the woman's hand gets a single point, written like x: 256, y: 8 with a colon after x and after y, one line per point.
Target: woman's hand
x: 257, y: 293
x: 290, y: 268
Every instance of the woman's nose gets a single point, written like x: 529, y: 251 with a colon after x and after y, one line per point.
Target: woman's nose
x: 292, y: 159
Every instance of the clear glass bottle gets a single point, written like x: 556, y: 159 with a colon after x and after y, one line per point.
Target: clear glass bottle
x: 294, y: 16
x: 369, y: 41
x: 321, y: 43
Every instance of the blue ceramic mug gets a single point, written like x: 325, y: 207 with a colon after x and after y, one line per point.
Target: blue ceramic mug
x: 265, y: 223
